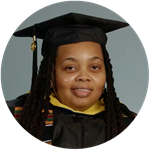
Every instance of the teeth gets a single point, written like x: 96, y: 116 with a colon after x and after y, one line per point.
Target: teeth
x: 82, y: 90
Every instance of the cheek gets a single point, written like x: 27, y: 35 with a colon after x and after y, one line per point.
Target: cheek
x: 63, y: 81
x: 99, y: 86
x: 100, y: 80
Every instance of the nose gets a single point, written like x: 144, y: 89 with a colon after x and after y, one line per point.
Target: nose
x: 83, y: 76
x: 83, y: 79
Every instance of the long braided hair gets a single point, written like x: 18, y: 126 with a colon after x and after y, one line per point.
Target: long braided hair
x: 35, y: 109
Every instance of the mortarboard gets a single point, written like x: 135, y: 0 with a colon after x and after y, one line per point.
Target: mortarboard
x: 67, y: 29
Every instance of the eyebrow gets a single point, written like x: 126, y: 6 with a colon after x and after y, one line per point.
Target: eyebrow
x: 75, y: 60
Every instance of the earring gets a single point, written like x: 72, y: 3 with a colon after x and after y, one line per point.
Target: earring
x: 104, y: 90
x: 103, y: 93
x: 51, y: 84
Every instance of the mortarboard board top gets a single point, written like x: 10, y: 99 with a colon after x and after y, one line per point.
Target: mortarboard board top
x: 106, y: 25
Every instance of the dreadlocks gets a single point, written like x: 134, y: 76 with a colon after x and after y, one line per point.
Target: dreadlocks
x: 35, y: 110
x: 113, y: 108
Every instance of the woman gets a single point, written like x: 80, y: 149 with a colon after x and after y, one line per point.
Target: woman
x: 68, y: 105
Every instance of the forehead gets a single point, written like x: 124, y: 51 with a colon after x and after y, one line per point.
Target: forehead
x: 80, y: 49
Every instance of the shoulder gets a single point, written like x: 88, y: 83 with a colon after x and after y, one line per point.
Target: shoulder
x: 16, y: 106
x: 127, y: 121
x: 18, y: 102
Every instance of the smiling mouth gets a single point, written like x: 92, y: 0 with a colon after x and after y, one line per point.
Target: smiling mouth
x: 82, y: 93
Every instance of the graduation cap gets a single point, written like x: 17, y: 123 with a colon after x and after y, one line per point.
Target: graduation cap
x: 67, y: 29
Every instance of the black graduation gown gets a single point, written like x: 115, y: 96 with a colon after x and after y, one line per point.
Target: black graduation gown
x: 71, y: 130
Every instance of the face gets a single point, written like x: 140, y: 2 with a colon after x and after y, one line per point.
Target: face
x: 79, y: 74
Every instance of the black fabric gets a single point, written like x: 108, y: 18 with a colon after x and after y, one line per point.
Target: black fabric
x: 72, y: 34
x: 72, y: 130
x: 47, y: 133
x: 19, y: 101
x: 71, y: 28
x: 106, y: 25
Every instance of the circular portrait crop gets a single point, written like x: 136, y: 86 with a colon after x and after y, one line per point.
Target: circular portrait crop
x: 71, y: 76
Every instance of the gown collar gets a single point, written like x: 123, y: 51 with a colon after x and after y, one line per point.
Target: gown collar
x: 96, y: 108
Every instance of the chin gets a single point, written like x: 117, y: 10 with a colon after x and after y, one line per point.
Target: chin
x: 81, y: 107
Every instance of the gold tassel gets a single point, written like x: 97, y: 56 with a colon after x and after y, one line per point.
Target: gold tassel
x: 33, y: 45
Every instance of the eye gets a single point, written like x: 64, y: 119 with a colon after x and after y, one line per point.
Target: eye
x: 70, y: 68
x: 95, y: 67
